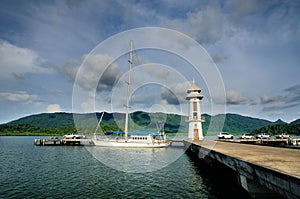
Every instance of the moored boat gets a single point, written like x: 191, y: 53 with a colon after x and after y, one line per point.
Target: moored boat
x: 131, y: 139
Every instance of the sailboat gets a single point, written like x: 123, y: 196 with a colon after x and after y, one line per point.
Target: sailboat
x: 131, y: 139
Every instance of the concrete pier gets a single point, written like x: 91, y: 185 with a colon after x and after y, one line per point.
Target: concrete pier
x: 263, y: 171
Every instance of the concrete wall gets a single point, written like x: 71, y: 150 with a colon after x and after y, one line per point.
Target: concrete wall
x: 260, y: 182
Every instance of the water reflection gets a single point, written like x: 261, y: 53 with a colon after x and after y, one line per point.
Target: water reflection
x: 136, y: 160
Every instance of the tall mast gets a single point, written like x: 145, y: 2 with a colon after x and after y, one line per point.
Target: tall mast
x: 98, y: 124
x: 128, y: 91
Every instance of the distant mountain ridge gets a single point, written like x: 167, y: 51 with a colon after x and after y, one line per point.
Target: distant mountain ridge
x: 295, y: 122
x: 61, y: 123
x: 48, y: 120
x: 235, y: 123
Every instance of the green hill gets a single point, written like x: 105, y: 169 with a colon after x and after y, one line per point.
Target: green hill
x: 47, y: 120
x: 234, y: 123
x: 62, y: 123
x: 279, y: 128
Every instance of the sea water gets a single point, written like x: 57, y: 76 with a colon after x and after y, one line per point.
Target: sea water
x: 29, y: 171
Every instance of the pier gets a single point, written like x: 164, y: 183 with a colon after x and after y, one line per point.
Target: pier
x: 55, y: 141
x: 263, y: 171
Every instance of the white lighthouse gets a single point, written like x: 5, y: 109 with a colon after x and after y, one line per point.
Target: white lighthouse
x: 194, y: 118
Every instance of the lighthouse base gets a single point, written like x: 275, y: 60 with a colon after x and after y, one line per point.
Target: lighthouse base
x: 195, y: 131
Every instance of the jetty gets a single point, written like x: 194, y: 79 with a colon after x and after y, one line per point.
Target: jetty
x: 263, y: 171
x: 55, y: 141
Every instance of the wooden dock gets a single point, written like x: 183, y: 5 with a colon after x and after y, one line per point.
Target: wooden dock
x: 55, y: 141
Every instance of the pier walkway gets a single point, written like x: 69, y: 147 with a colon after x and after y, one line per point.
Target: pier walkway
x: 260, y: 169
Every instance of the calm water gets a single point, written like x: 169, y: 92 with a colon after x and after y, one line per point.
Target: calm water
x: 28, y: 171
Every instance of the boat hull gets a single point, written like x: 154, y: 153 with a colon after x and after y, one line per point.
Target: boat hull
x: 128, y: 144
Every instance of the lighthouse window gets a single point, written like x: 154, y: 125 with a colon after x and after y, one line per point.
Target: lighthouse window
x: 195, y: 114
x: 194, y: 106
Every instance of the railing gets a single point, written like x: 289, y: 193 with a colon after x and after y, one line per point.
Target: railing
x: 195, y: 118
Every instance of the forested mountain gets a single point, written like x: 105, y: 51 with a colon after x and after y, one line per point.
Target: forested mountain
x: 234, y: 123
x: 62, y: 123
x: 295, y: 122
x: 48, y: 120
x: 278, y: 129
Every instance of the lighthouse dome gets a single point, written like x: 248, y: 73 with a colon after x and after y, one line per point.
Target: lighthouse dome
x: 194, y: 92
x: 194, y: 88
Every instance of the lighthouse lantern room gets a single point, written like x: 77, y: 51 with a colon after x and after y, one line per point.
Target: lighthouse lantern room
x: 194, y: 118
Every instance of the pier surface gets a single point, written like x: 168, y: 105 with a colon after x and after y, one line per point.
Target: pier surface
x: 260, y: 169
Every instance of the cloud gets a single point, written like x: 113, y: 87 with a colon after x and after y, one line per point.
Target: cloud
x: 290, y: 98
x: 16, y: 61
x: 213, y: 21
x: 293, y: 94
x: 234, y: 98
x: 20, y: 96
x: 256, y: 41
x: 92, y: 68
x: 268, y: 99
x: 88, y: 102
x: 169, y: 96
x: 52, y: 108
x: 206, y: 26
x: 90, y: 72
x: 159, y: 72
x: 176, y: 94
x: 218, y: 57
x: 240, y: 10
x: 267, y: 21
x: 56, y: 91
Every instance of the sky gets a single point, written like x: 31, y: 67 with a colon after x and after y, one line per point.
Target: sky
x: 71, y: 56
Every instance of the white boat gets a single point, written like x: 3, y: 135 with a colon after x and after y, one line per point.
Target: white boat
x: 131, y: 139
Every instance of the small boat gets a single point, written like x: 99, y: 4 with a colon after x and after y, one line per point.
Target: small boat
x: 131, y: 139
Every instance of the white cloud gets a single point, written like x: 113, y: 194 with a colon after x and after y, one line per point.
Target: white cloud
x: 206, y: 26
x: 52, y: 108
x: 268, y: 99
x: 20, y: 96
x: 16, y: 61
x: 88, y: 105
x: 176, y: 94
x: 157, y: 72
